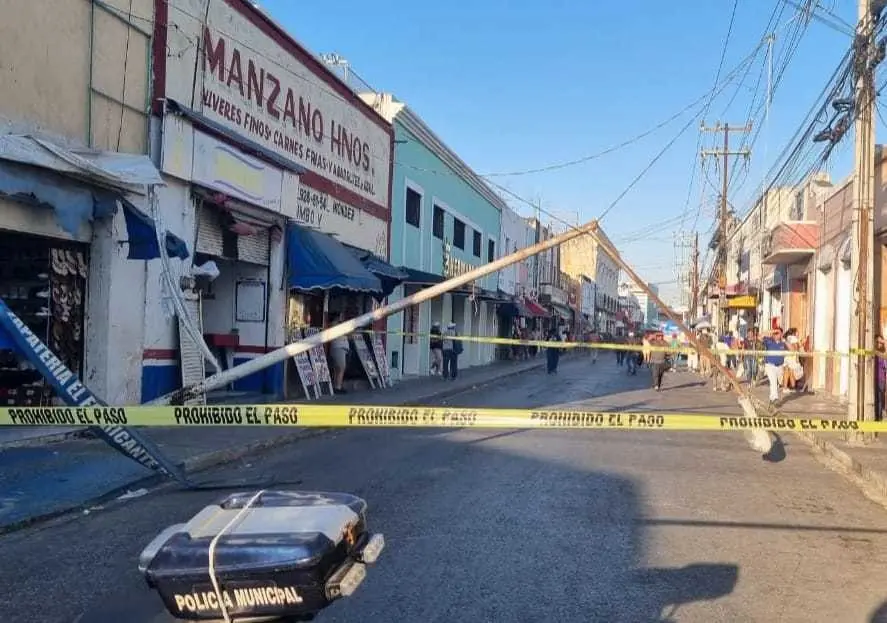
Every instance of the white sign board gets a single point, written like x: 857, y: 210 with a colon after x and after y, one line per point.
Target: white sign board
x: 259, y: 84
x: 350, y: 225
x: 194, y: 156
x: 224, y: 168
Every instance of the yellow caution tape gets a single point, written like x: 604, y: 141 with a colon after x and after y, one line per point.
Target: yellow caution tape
x: 334, y: 416
x: 684, y: 350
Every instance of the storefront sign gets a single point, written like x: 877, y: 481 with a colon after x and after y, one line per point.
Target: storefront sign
x: 743, y: 302
x: 227, y: 170
x: 258, y: 85
x: 452, y: 265
x: 348, y: 224
x: 194, y: 156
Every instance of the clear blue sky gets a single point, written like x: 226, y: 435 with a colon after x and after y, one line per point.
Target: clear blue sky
x: 523, y: 84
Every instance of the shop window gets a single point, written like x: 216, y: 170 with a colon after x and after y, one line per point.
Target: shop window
x: 477, y: 244
x: 44, y: 284
x: 458, y: 234
x: 437, y: 223
x: 413, y: 207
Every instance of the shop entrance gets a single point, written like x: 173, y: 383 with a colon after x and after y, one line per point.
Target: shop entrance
x: 234, y: 306
x: 43, y: 281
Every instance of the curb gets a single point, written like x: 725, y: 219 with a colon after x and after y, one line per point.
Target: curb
x: 870, y: 476
x: 446, y: 393
x: 43, y: 440
x: 206, y: 460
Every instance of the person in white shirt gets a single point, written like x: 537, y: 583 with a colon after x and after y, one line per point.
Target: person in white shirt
x: 339, y: 349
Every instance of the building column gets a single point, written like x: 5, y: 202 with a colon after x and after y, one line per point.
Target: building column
x: 115, y: 317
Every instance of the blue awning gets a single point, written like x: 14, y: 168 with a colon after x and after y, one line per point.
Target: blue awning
x: 389, y: 275
x: 75, y: 186
x: 320, y: 262
x: 74, y: 203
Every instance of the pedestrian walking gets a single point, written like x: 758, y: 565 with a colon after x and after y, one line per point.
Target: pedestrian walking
x: 436, y: 349
x: 620, y: 352
x: 633, y: 357
x: 553, y: 354
x: 451, y: 351
x: 774, y: 362
x: 880, y: 377
x: 658, y: 359
x: 339, y: 349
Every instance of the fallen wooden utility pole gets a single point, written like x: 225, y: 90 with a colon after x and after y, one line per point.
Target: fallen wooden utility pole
x: 760, y: 440
x: 340, y: 330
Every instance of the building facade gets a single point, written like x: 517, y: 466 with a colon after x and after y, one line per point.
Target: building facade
x: 583, y: 256
x: 445, y: 221
x: 515, y: 234
x: 648, y: 311
x: 74, y: 128
x: 277, y: 171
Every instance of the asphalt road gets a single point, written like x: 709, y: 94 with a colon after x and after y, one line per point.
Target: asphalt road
x: 524, y: 525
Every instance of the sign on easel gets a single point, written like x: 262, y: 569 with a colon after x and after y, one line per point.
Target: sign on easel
x: 305, y: 371
x: 318, y: 360
x: 381, y: 360
x: 366, y: 359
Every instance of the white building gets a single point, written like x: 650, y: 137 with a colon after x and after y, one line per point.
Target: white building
x: 515, y: 233
x: 649, y: 311
x: 267, y: 156
x: 607, y: 281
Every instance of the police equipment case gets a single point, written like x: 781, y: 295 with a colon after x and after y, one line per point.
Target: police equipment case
x: 285, y: 554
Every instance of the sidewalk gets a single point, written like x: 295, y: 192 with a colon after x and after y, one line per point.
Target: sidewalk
x: 42, y: 480
x: 867, y: 462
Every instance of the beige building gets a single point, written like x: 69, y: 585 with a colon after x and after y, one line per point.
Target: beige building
x: 75, y: 77
x: 582, y: 256
x: 79, y: 73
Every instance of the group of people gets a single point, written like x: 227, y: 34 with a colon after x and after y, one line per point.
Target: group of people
x: 445, y: 351
x: 754, y: 357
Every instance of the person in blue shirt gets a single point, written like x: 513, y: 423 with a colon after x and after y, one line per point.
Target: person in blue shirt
x: 773, y: 362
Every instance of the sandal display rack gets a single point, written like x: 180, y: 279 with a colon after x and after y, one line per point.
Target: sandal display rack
x: 45, y: 287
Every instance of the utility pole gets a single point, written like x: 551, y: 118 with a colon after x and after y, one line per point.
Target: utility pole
x: 725, y: 154
x: 694, y: 280
x: 861, y: 398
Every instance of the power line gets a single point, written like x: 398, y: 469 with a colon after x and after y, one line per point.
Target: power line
x: 774, y: 17
x: 711, y: 99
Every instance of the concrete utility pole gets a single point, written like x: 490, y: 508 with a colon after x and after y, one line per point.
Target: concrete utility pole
x: 725, y: 154
x: 694, y: 280
x: 683, y: 244
x: 861, y: 398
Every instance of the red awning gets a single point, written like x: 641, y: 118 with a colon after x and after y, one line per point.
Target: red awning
x: 537, y: 310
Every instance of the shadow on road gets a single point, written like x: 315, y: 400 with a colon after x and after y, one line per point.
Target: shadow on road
x: 494, y: 531
x: 777, y: 450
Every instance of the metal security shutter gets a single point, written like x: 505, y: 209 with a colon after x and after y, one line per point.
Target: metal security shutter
x: 209, y: 231
x: 254, y: 249
x: 191, y: 361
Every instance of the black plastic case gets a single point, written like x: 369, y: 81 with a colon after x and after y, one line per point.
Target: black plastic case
x: 286, y: 555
